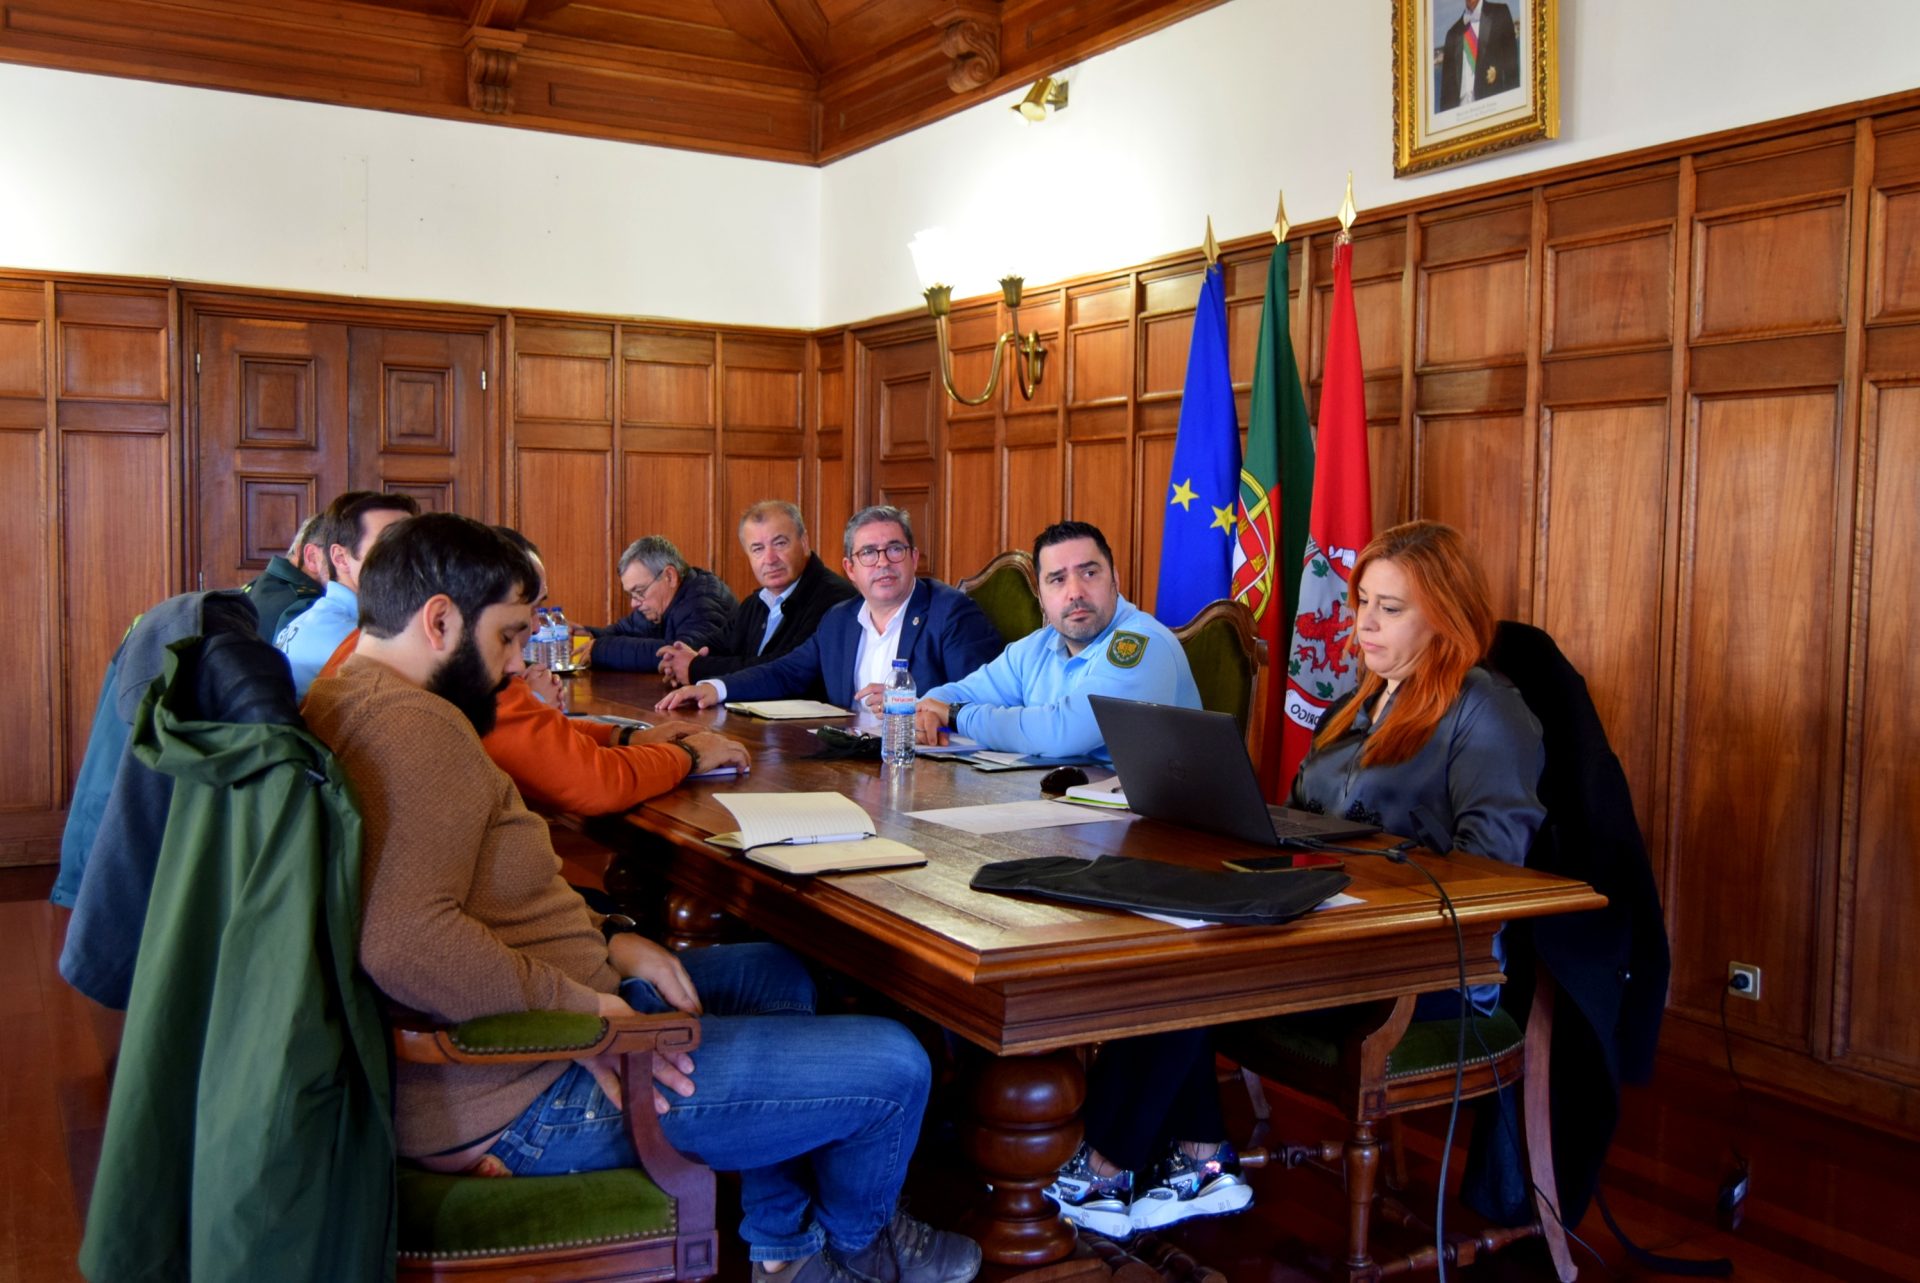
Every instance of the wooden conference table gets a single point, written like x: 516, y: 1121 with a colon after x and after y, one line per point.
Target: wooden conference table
x: 1029, y: 980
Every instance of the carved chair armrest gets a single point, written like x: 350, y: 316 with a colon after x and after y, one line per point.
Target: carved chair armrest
x: 566, y: 1035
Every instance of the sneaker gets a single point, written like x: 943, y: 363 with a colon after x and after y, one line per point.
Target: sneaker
x: 1097, y: 1203
x: 912, y: 1251
x: 1185, y: 1187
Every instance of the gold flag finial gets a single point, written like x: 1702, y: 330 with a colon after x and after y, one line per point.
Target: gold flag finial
x: 1280, y: 223
x: 1210, y: 247
x: 1347, y: 211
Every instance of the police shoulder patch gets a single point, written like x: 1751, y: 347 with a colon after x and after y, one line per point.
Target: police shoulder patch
x: 1125, y: 650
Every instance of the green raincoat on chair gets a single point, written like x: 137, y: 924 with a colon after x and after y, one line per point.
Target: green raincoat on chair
x: 249, y: 1139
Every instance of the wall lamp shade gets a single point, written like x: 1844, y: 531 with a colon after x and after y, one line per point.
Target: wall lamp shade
x: 1046, y: 92
x: 934, y: 258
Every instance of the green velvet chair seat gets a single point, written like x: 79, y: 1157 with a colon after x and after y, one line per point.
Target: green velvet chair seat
x: 447, y: 1217
x: 1007, y: 600
x: 1314, y: 1038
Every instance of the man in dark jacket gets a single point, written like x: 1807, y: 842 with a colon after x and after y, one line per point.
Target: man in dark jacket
x: 672, y: 602
x: 796, y: 588
x: 291, y: 583
x: 937, y: 630
x: 1482, y: 55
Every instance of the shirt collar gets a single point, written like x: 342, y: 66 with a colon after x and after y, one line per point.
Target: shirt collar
x: 341, y: 593
x: 774, y: 599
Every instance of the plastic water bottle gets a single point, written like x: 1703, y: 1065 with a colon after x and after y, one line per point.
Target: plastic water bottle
x: 896, y: 742
x: 534, y: 652
x: 560, y: 641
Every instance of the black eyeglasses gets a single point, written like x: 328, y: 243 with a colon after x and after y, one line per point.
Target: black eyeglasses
x: 870, y: 556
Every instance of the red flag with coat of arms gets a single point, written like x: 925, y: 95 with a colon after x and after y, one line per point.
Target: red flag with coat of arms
x: 1320, y: 665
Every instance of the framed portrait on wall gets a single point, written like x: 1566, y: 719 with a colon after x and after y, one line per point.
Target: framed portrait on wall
x: 1471, y: 77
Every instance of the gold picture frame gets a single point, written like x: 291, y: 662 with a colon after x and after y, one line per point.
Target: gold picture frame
x: 1444, y: 114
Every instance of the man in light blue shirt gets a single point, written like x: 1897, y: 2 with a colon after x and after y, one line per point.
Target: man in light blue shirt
x: 347, y: 530
x: 1033, y: 698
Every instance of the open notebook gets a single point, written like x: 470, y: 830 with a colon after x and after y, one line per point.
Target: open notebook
x: 788, y: 709
x: 809, y: 833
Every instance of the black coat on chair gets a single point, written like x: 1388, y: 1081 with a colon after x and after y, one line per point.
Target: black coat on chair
x: 1610, y: 964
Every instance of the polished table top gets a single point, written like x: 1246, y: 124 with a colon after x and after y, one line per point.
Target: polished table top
x: 1023, y: 975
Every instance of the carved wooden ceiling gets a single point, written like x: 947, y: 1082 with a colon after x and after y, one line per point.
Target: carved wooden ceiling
x: 795, y: 80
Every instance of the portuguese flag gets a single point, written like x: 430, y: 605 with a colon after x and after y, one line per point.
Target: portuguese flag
x: 1276, y: 488
x: 1320, y: 664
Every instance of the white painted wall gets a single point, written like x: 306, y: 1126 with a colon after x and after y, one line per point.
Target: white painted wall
x: 123, y: 176
x: 1210, y: 116
x: 1216, y: 114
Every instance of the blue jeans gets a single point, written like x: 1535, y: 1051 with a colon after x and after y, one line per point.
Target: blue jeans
x: 818, y: 1114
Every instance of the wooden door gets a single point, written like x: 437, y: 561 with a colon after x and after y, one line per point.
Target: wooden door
x: 416, y: 412
x: 291, y: 412
x: 901, y: 411
x: 271, y: 418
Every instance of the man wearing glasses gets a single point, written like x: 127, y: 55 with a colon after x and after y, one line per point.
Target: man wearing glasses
x: 672, y: 602
x: 938, y: 630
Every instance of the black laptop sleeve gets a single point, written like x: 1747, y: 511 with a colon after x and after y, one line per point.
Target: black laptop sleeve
x: 1120, y: 882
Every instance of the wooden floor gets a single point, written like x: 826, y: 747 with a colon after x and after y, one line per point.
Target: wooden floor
x: 1830, y: 1200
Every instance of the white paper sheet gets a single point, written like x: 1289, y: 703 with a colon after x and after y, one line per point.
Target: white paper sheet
x: 1010, y: 817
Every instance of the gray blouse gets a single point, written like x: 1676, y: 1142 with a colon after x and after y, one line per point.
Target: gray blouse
x: 1471, y: 787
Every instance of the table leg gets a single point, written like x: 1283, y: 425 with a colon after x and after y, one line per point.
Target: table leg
x: 693, y: 922
x: 1025, y: 1124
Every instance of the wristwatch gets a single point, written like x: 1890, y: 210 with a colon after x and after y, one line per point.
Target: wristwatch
x: 617, y: 924
x: 953, y: 716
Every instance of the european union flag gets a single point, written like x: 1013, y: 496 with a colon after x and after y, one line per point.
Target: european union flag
x: 1203, y: 494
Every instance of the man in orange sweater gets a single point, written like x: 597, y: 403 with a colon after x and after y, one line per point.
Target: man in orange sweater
x: 561, y: 763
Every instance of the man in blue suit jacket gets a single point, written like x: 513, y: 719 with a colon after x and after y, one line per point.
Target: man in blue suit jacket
x: 938, y: 630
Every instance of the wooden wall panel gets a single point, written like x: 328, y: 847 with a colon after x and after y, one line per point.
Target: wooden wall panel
x: 1475, y: 474
x: 1100, y: 491
x: 556, y: 386
x: 1881, y: 894
x: 573, y: 534
x: 1771, y: 272
x: 1476, y: 314
x: 116, y: 509
x: 671, y: 495
x: 744, y: 482
x: 974, y: 510
x: 1034, y: 492
x: 1894, y: 274
x: 1606, y: 502
x: 27, y: 774
x: 1153, y: 477
x: 1610, y: 293
x: 1755, y: 637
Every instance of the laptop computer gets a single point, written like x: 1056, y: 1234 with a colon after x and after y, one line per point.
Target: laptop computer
x: 1190, y: 767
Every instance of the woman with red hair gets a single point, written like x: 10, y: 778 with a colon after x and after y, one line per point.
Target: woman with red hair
x: 1431, y: 746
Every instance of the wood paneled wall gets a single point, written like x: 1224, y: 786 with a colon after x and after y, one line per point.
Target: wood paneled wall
x: 1674, y: 400
x: 1675, y: 407
x: 621, y: 429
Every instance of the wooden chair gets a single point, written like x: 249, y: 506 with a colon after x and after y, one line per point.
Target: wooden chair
x: 623, y: 1224
x: 1006, y: 589
x: 1377, y: 1063
x: 1229, y: 662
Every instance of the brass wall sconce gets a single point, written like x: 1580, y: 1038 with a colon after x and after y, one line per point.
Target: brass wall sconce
x: 1046, y: 92
x: 1029, y: 357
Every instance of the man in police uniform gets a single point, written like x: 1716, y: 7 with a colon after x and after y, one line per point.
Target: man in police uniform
x: 1033, y: 698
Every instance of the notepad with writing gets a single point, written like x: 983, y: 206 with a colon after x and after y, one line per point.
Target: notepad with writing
x: 809, y: 833
x: 788, y: 709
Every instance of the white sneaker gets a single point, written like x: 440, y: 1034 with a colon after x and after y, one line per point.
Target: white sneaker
x: 1096, y: 1203
x: 1185, y: 1187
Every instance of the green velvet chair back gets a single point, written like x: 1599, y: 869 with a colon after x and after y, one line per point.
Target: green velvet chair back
x: 1228, y: 662
x: 1004, y: 590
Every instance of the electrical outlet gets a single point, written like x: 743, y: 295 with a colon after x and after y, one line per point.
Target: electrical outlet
x: 1743, y: 980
